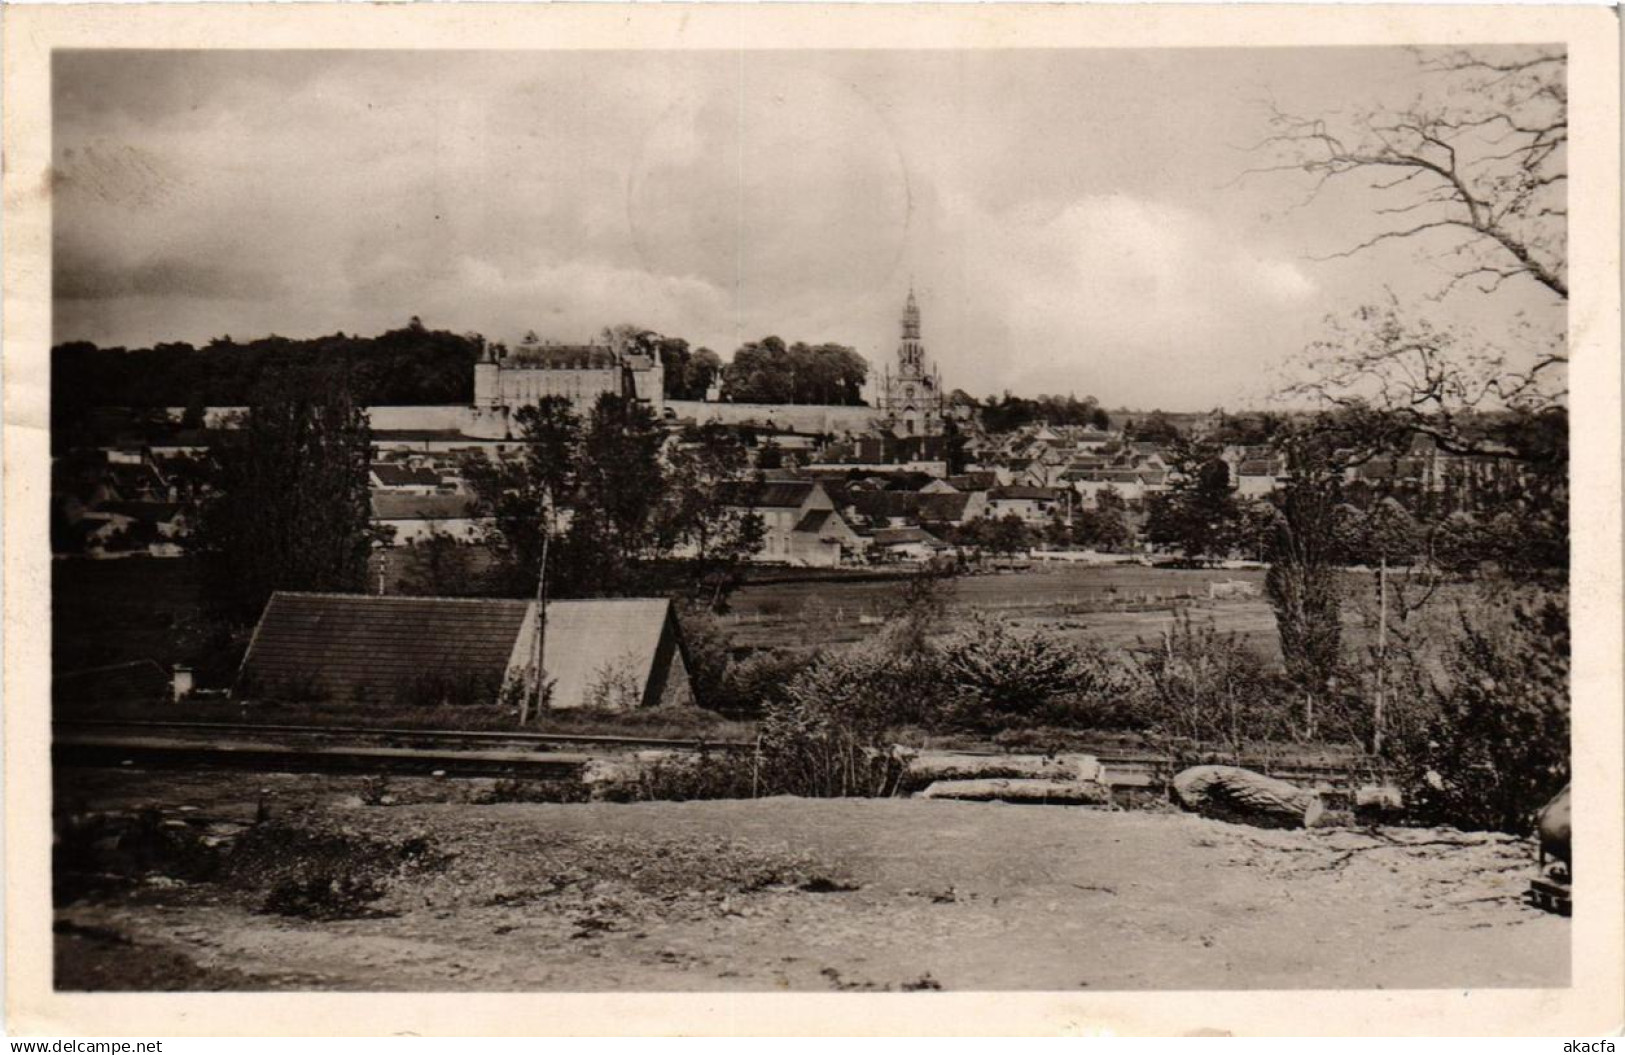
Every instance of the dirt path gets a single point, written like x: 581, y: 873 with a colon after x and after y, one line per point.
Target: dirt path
x: 851, y: 894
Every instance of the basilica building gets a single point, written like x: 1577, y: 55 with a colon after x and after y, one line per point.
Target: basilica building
x: 911, y: 400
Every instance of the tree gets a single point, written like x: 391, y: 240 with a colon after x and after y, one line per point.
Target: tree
x: 769, y: 371
x: 1198, y: 513
x: 1481, y: 173
x: 620, y: 488
x: 518, y: 497
x: 292, y: 510
x: 1302, y: 580
x: 696, y: 512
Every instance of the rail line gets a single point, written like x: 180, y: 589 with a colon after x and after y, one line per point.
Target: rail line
x: 332, y: 748
x: 352, y: 734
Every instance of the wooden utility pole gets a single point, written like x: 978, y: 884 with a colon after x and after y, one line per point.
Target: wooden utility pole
x: 1382, y: 653
x: 536, y: 692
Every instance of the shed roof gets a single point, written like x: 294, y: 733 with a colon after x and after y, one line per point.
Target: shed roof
x: 345, y: 646
x: 340, y: 647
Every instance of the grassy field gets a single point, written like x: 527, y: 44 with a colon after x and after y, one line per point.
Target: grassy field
x: 1116, y: 605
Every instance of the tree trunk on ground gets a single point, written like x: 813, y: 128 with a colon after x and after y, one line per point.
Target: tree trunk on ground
x: 1230, y: 793
x: 1051, y: 792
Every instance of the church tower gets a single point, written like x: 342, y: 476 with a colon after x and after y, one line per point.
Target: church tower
x: 912, y: 398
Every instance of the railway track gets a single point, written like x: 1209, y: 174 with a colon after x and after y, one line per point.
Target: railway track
x: 329, y: 748
x: 339, y: 734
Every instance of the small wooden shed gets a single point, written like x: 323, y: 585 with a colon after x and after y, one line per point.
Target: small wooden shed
x: 356, y: 648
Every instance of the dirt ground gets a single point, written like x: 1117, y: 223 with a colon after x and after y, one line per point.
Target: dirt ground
x: 809, y: 895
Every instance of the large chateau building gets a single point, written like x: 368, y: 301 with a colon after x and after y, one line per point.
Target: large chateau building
x: 906, y: 400
x: 506, y: 380
x: 911, y: 402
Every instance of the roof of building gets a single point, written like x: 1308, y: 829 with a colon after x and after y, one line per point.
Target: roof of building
x: 395, y: 475
x: 979, y: 481
x: 816, y: 520
x: 561, y: 357
x: 427, y: 436
x: 943, y: 507
x: 1023, y: 492
x: 904, y: 535
x: 767, y: 494
x: 156, y: 512
x: 386, y: 506
x: 342, y: 647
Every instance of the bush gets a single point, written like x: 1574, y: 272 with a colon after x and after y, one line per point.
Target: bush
x: 1497, y: 747
x: 1022, y: 673
x: 1202, y: 686
x: 830, y: 734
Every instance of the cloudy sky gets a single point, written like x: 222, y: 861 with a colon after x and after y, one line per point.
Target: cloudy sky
x: 1070, y: 219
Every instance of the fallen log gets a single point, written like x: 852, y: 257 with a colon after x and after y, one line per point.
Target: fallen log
x: 928, y: 768
x: 1241, y: 796
x: 1050, y: 792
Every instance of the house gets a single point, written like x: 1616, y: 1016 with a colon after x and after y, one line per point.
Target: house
x: 1034, y: 505
x: 416, y: 517
x: 905, y: 543
x: 790, y: 536
x: 356, y: 648
x: 823, y: 538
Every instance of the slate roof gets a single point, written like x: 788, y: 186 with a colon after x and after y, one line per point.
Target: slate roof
x: 815, y: 520
x: 562, y: 357
x: 393, y: 475
x: 943, y: 507
x: 903, y: 535
x: 768, y: 494
x: 387, y: 506
x: 342, y: 647
x: 1020, y: 491
x: 974, y: 481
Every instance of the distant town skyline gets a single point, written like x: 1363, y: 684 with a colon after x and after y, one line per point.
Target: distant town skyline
x: 1072, y: 220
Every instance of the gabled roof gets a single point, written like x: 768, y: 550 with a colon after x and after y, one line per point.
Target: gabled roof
x: 815, y: 520
x: 345, y: 647
x: 943, y: 507
x: 767, y: 494
x: 386, y: 506
x: 394, y: 475
x: 1022, y: 491
x: 904, y: 535
x: 342, y: 647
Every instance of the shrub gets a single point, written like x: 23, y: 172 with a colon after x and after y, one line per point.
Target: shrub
x: 1011, y: 672
x: 829, y: 736
x: 1497, y: 746
x: 1203, y: 686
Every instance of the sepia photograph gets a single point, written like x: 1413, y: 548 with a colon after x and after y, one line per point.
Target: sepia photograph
x: 871, y: 520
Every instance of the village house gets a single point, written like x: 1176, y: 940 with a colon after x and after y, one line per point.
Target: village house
x: 417, y: 517
x: 616, y: 654
x: 1034, y: 505
x: 791, y: 535
x: 911, y: 544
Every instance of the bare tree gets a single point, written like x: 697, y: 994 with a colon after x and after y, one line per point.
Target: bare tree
x: 1479, y: 168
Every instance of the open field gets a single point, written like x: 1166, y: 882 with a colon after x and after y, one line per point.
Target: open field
x: 1115, y: 605
x: 792, y: 894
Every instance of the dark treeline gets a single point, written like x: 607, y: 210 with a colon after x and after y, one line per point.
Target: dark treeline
x: 1007, y: 412
x: 411, y: 365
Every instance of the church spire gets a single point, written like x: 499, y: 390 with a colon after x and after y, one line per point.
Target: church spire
x: 911, y: 317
